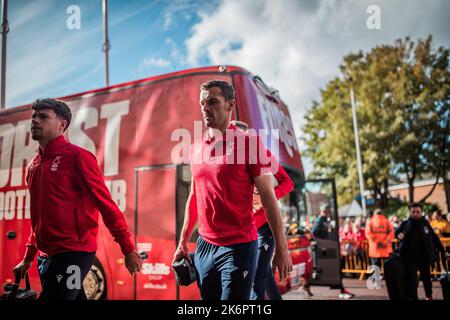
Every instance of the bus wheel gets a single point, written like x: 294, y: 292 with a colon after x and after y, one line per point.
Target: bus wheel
x: 95, y: 282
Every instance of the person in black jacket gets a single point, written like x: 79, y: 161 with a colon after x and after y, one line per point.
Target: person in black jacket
x: 320, y: 226
x: 418, y: 248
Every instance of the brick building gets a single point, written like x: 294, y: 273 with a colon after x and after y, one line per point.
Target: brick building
x: 421, y: 189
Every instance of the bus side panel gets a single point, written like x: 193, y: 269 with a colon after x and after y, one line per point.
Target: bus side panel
x: 158, y: 118
x: 260, y: 110
x: 156, y: 232
x: 16, y: 150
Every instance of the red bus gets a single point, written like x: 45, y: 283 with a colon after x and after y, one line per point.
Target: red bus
x: 129, y: 127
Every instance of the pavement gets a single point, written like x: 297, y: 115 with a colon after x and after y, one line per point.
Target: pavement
x: 359, y: 288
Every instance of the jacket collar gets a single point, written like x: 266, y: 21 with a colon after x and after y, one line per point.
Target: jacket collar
x: 53, y: 146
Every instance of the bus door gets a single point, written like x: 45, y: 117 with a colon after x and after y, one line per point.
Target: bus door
x: 183, y: 189
x: 325, y: 248
x: 155, y: 228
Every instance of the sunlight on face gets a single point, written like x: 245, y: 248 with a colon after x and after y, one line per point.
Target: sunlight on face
x: 46, y: 125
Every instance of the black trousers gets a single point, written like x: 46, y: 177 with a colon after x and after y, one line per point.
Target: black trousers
x: 413, y: 266
x: 62, y: 275
x: 377, y: 261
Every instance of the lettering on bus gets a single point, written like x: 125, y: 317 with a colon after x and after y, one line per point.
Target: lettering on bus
x: 157, y: 286
x: 274, y: 118
x: 87, y: 118
x: 17, y: 149
x: 155, y: 269
x: 15, y: 204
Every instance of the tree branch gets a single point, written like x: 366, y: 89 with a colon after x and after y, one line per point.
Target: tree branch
x: 431, y: 191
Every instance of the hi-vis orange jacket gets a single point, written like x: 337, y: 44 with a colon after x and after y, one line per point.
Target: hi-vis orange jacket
x: 379, y: 233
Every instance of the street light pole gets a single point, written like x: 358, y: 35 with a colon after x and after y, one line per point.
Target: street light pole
x: 358, y: 151
x: 4, y: 31
x: 106, y: 43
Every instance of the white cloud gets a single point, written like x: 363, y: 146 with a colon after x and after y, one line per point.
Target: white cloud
x: 153, y: 62
x: 167, y: 21
x: 177, y: 10
x: 297, y: 46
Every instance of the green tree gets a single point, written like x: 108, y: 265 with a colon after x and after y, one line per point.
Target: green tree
x: 402, y: 94
x: 422, y: 89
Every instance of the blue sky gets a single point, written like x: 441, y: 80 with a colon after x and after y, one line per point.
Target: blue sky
x: 45, y: 58
x: 296, y: 46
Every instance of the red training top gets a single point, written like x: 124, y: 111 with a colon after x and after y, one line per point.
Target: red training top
x: 67, y: 189
x: 223, y: 173
x: 284, y: 186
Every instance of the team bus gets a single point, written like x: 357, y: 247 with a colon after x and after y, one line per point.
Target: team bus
x: 130, y: 127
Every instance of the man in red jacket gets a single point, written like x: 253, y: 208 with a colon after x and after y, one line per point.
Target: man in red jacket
x: 67, y: 190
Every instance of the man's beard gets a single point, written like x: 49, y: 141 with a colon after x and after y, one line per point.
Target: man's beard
x: 209, y: 124
x: 36, y: 136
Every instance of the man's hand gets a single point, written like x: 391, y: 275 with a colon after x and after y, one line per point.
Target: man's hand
x: 22, y: 268
x: 182, y: 252
x: 400, y: 236
x: 133, y: 262
x: 283, y: 262
x: 257, y: 204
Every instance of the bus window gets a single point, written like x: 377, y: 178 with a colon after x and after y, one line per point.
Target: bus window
x: 288, y: 211
x: 293, y: 217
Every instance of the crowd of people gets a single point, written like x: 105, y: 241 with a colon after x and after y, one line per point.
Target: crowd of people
x: 417, y: 240
x: 355, y: 231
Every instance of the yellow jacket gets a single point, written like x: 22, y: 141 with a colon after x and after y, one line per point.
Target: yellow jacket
x: 440, y: 226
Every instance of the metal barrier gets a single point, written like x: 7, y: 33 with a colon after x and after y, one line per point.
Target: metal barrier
x: 357, y: 260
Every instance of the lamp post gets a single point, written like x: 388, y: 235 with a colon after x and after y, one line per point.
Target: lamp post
x: 358, y: 151
x: 4, y: 31
x: 106, y: 43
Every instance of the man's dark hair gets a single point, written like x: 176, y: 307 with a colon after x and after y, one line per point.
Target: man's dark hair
x: 415, y: 205
x: 437, y: 211
x: 226, y: 88
x: 61, y: 109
